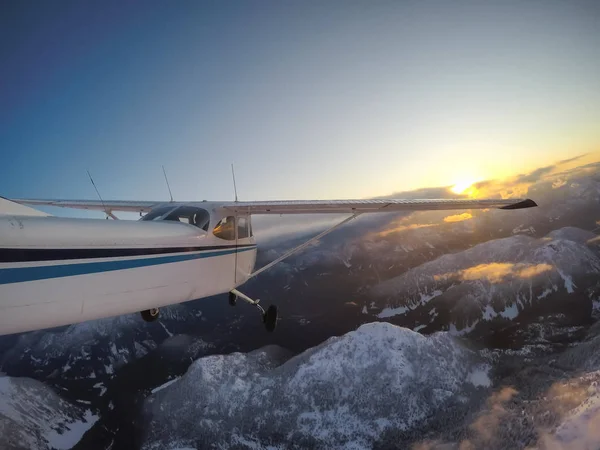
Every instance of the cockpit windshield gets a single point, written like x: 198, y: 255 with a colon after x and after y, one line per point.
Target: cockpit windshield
x: 187, y: 214
x: 157, y: 213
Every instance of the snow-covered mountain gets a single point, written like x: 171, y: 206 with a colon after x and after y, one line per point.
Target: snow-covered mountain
x: 383, y: 386
x: 549, y: 402
x: 349, y: 392
x: 95, y: 349
x: 499, y: 279
x: 32, y: 416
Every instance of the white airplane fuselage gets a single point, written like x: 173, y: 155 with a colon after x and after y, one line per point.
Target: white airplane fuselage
x: 57, y: 271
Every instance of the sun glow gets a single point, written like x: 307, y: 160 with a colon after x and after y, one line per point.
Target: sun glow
x: 463, y: 186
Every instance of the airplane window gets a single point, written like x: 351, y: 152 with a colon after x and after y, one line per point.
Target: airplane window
x: 157, y: 213
x: 243, y: 229
x: 225, y: 229
x: 191, y: 215
x: 201, y: 219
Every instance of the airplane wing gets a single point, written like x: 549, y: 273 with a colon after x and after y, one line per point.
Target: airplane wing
x: 375, y: 205
x: 107, y: 205
x: 10, y: 208
x: 298, y: 206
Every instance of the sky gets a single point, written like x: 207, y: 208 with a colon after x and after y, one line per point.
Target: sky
x: 309, y: 99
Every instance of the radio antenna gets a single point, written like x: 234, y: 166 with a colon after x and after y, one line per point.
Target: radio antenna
x: 234, y: 186
x: 167, y: 180
x: 99, y: 196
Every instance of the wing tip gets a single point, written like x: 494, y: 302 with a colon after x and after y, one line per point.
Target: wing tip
x: 527, y: 203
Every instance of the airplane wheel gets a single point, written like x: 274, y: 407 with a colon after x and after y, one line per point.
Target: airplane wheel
x: 150, y: 315
x: 232, y: 299
x: 270, y: 318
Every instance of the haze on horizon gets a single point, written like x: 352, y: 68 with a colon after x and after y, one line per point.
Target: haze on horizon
x: 309, y: 100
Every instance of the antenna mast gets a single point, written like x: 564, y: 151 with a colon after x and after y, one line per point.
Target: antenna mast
x: 234, y: 186
x: 167, y: 180
x: 106, y: 211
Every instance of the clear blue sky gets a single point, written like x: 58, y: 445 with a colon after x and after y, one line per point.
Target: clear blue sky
x: 310, y: 99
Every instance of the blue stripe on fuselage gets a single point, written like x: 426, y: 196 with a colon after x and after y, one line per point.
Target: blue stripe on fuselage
x: 22, y: 274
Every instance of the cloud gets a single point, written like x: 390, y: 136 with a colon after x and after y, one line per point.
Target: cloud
x: 497, y: 272
x: 575, y: 158
x: 534, y: 176
x: 431, y: 192
x: 574, y: 401
x: 594, y: 241
x: 559, y: 183
x: 401, y: 228
x: 485, y: 427
x: 283, y: 228
x: 458, y: 217
x: 533, y: 270
x: 483, y: 184
x: 558, y: 175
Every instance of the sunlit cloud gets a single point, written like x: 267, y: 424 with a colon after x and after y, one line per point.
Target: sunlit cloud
x: 559, y: 183
x: 427, y: 445
x: 580, y: 429
x: 594, y: 241
x: 485, y: 427
x: 559, y: 174
x: 497, y: 272
x: 458, y: 217
x: 464, y: 186
x: 564, y: 416
x: 533, y: 270
x: 402, y: 228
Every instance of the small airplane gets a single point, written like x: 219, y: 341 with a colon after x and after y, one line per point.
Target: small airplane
x: 57, y: 271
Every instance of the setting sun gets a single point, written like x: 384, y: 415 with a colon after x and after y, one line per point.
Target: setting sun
x: 462, y: 186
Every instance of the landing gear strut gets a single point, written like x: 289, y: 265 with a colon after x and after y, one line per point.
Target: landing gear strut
x: 150, y: 315
x: 269, y: 316
x: 232, y: 299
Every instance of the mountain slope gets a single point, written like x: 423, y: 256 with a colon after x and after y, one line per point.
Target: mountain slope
x: 499, y: 279
x: 354, y: 389
x: 32, y: 416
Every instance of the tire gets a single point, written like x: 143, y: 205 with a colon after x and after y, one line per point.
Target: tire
x: 232, y: 299
x: 150, y: 315
x: 270, y: 318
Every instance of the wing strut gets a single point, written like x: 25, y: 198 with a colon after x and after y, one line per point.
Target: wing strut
x: 303, y: 246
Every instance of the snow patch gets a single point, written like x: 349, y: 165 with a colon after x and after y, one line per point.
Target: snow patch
x: 166, y: 329
x: 74, y: 432
x: 568, y: 281
x: 466, y: 330
x: 101, y: 387
x: 479, y: 377
x: 391, y: 312
x: 510, y: 312
x: 424, y: 298
x: 164, y: 385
